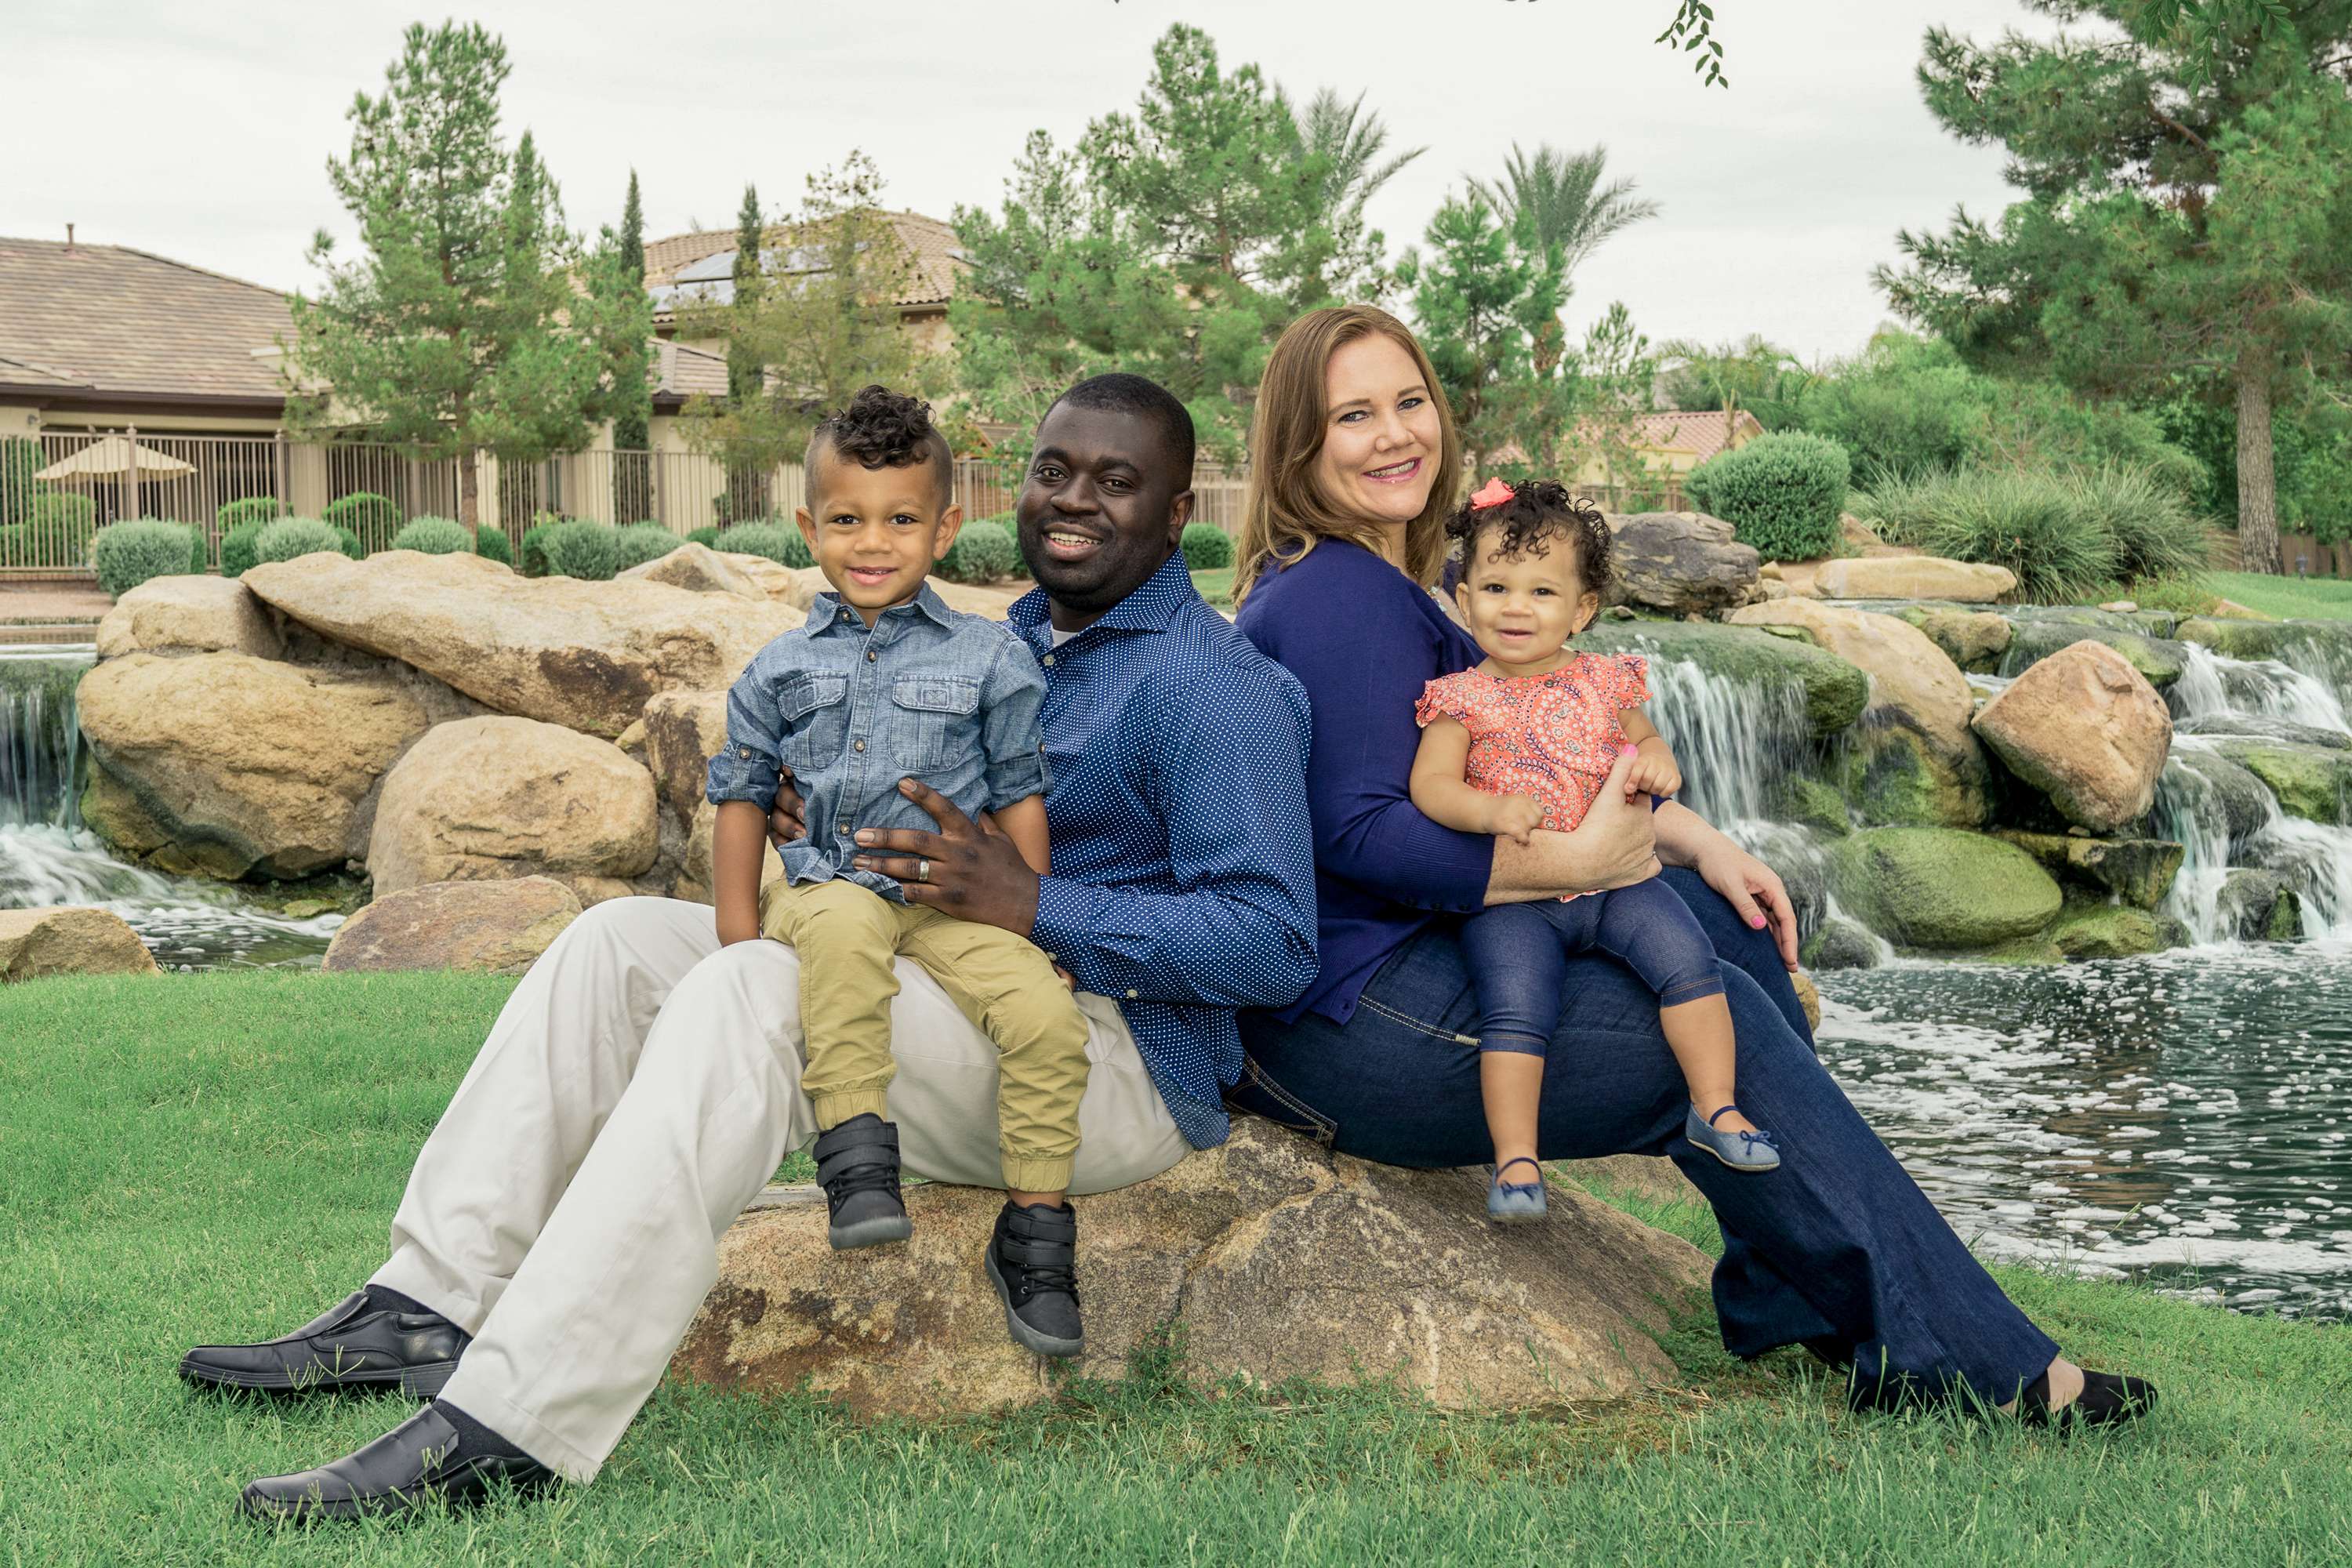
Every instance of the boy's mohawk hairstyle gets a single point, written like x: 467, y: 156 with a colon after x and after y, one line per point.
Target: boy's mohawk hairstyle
x: 882, y: 428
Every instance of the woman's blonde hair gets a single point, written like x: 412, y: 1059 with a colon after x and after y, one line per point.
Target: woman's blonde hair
x: 1284, y: 517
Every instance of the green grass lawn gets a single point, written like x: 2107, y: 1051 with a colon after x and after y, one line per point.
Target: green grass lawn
x: 216, y: 1157
x: 1216, y: 586
x: 2286, y: 598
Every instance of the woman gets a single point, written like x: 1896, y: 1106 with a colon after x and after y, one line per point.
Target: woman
x: 1354, y: 464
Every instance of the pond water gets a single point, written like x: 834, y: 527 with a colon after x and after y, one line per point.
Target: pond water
x: 2185, y: 1119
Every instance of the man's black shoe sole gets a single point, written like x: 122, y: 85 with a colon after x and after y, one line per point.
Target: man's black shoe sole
x: 1027, y: 1338
x: 391, y: 1505
x: 415, y: 1381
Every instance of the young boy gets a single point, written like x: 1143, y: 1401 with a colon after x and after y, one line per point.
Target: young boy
x: 885, y: 683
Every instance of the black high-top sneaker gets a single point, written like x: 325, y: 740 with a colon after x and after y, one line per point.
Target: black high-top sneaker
x: 857, y: 1166
x: 1033, y: 1263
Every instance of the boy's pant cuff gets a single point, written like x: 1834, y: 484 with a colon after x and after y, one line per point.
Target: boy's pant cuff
x: 1031, y: 1173
x: 832, y: 1110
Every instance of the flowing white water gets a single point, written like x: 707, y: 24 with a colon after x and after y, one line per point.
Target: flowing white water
x: 2214, y: 685
x: 41, y: 744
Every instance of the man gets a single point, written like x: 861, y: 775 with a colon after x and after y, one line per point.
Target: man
x: 643, y: 1082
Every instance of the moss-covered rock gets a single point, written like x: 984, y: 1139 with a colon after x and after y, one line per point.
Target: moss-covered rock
x: 2035, y: 949
x: 1936, y: 888
x: 2311, y: 781
x: 1835, y: 690
x: 1891, y: 775
x: 1839, y: 944
x: 1813, y: 803
x: 1976, y: 640
x: 2106, y: 931
x: 2265, y: 729
x: 2139, y: 871
x: 2313, y: 647
x: 2206, y: 774
x: 2255, y: 905
x: 2160, y: 661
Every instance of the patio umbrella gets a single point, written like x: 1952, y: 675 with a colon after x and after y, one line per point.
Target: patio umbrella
x: 115, y: 454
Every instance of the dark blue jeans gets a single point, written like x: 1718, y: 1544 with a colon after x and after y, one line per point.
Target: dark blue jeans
x: 1518, y: 957
x: 1838, y: 1250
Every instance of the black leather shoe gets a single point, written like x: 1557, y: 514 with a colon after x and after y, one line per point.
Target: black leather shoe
x: 2107, y: 1398
x: 420, y: 1459
x: 352, y: 1345
x: 1033, y: 1263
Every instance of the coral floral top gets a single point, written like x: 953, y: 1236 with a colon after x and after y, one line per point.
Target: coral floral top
x: 1550, y: 736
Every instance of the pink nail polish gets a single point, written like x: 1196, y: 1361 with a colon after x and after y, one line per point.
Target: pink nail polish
x: 1757, y: 923
x: 1628, y: 751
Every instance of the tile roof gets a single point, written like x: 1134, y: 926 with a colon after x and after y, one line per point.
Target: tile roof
x: 680, y: 372
x: 108, y: 319
x: 933, y: 245
x: 1698, y: 431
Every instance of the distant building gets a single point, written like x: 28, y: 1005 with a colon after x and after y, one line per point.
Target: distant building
x: 700, y: 267
x: 1671, y: 443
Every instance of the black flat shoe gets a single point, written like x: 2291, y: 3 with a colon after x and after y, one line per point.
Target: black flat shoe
x: 422, y: 1459
x: 2107, y: 1398
x: 1032, y: 1262
x: 857, y: 1166
x: 351, y: 1345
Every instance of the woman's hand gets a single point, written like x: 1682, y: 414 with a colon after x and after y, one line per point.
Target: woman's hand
x: 1755, y: 892
x: 1615, y: 844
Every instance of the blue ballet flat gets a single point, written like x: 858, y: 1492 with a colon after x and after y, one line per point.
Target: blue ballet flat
x: 1741, y: 1151
x: 1515, y: 1203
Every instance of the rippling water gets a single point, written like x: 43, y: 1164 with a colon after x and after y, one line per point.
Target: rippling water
x: 2185, y: 1119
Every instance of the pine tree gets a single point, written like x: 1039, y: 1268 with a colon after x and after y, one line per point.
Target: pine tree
x: 633, y: 416
x: 2187, y: 211
x: 457, y: 330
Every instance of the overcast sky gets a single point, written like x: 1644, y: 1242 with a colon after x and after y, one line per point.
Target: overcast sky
x: 174, y: 128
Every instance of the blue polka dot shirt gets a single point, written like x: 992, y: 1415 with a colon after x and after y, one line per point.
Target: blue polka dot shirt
x: 1183, y: 882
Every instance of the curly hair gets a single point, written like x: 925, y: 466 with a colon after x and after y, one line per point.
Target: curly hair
x: 1539, y: 512
x: 886, y: 429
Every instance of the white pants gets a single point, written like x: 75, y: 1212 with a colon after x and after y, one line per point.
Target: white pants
x: 640, y: 1087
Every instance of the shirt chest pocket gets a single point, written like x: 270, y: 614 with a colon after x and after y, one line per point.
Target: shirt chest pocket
x: 816, y: 722
x: 937, y: 719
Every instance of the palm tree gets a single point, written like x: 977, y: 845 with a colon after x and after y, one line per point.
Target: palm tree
x: 1731, y: 376
x: 1349, y: 145
x: 1563, y: 192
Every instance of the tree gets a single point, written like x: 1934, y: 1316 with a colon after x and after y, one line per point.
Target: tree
x: 816, y: 315
x: 1729, y: 376
x: 458, y: 329
x: 2187, y: 211
x: 1174, y: 241
x: 1485, y: 296
x: 632, y: 415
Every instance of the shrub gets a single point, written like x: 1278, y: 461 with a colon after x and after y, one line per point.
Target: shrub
x: 982, y: 553
x: 237, y: 556
x: 2143, y: 509
x: 56, y: 531
x: 129, y: 554
x: 20, y: 459
x: 705, y: 537
x: 2034, y: 522
x: 584, y: 550
x: 1207, y: 547
x: 433, y: 536
x: 534, y: 558
x: 492, y: 544
x: 372, y: 519
x: 291, y: 536
x: 1781, y: 493
x: 252, y: 508
x: 779, y: 541
x: 643, y: 541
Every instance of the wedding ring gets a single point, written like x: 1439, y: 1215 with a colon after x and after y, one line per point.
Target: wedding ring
x: 922, y: 870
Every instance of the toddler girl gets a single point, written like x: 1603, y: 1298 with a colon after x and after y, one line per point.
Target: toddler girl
x: 1526, y: 741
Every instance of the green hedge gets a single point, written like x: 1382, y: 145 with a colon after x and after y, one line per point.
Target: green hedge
x: 433, y: 536
x: 534, y: 559
x: 54, y: 530
x: 251, y: 510
x: 779, y: 541
x: 372, y: 519
x: 2067, y: 533
x: 1780, y: 493
x: 490, y: 542
x: 1207, y: 547
x: 20, y: 459
x: 238, y: 556
x: 587, y: 551
x: 982, y: 553
x: 129, y: 554
x: 291, y: 536
x: 641, y: 542
x: 705, y: 537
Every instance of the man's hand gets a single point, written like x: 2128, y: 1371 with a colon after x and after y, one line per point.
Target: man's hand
x: 784, y: 820
x: 1515, y: 817
x: 1654, y: 770
x: 961, y: 870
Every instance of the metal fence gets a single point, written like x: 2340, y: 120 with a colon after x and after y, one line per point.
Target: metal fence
x: 59, y: 487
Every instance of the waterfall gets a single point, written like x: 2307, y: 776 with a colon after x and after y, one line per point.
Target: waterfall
x: 2215, y: 686
x: 40, y: 743
x: 1737, y: 742
x: 2191, y: 812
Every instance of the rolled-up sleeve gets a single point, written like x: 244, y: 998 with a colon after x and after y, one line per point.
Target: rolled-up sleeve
x: 1010, y: 732
x: 748, y: 767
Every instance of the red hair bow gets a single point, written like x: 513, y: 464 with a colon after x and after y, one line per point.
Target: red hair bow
x: 1494, y: 493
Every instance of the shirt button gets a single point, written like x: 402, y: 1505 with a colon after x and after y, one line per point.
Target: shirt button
x: 1048, y: 661
x: 1130, y: 995
x: 1049, y: 958
x: 869, y: 656
x: 744, y: 753
x: 847, y: 832
x: 859, y: 746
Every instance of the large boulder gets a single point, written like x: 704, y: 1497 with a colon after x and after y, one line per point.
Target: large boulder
x: 188, y: 615
x: 1938, y: 888
x: 586, y: 656
x: 1974, y: 639
x: 2108, y: 930
x: 1833, y: 691
x: 683, y: 730
x: 2139, y: 871
x: 774, y: 578
x: 35, y: 943
x: 1839, y: 944
x: 697, y: 569
x: 2087, y: 730
x: 1913, y: 760
x: 485, y: 799
x: 1274, y: 1258
x: 2218, y: 789
x: 2159, y: 661
x: 973, y: 598
x: 1683, y: 563
x: 1913, y: 577
x: 226, y: 765
x: 2314, y: 782
x: 498, y: 928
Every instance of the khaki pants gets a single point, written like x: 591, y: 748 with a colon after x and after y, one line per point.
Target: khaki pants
x: 847, y: 936
x: 640, y: 1087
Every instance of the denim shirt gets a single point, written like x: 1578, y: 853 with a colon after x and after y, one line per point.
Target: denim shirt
x: 929, y: 693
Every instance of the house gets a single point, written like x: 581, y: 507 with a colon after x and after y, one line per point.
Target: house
x: 700, y: 267
x: 1671, y: 443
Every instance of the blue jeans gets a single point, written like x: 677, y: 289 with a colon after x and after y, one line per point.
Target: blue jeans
x: 1837, y: 1250
x: 1518, y: 957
